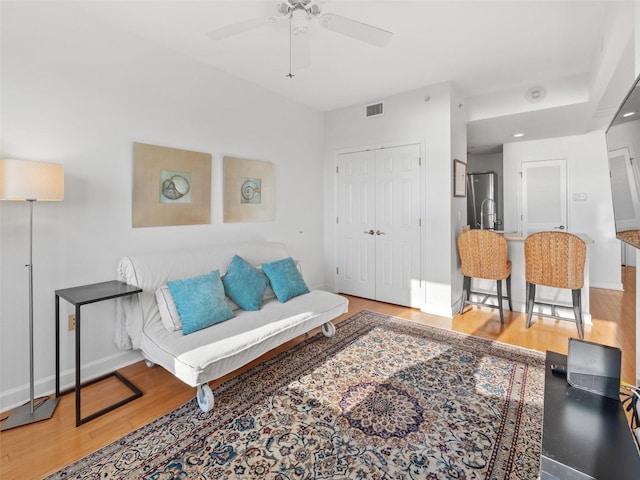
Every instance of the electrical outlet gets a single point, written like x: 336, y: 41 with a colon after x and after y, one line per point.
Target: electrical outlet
x: 72, y: 322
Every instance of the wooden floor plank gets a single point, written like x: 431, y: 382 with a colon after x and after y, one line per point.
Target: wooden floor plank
x: 39, y: 449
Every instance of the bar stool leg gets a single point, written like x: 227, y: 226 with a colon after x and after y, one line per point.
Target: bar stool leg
x: 499, y: 287
x: 509, y: 291
x: 531, y: 295
x: 577, y: 309
x: 466, y: 285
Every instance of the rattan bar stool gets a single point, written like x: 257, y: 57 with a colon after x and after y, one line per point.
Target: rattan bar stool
x: 483, y: 254
x: 555, y: 259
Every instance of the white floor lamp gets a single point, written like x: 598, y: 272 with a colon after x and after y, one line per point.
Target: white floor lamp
x: 28, y: 181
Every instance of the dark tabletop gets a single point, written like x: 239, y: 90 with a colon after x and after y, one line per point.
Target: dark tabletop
x: 96, y: 292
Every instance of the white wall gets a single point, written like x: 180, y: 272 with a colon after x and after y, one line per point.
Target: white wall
x: 77, y: 92
x: 588, y: 173
x: 458, y: 204
x: 409, y: 118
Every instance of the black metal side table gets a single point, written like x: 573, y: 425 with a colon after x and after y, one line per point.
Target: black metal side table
x: 84, y: 295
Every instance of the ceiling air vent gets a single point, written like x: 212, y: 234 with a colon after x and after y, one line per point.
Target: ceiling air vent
x: 374, y: 110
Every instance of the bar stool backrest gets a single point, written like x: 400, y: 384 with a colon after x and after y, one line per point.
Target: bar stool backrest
x: 483, y: 254
x: 555, y: 259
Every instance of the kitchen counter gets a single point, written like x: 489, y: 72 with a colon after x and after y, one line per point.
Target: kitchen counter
x: 522, y: 236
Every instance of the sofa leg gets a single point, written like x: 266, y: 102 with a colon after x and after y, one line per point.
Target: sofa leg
x: 328, y: 329
x: 204, y: 395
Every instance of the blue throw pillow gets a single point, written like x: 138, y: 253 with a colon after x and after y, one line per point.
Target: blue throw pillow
x: 244, y: 284
x: 285, y: 279
x: 200, y: 301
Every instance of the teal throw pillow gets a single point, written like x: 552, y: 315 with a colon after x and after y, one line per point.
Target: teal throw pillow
x: 285, y: 279
x: 200, y: 301
x: 244, y: 284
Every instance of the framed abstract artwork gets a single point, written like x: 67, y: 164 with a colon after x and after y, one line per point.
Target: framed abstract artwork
x: 248, y: 190
x: 459, y: 178
x: 170, y: 186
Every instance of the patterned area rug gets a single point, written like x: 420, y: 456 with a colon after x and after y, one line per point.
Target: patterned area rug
x: 384, y: 399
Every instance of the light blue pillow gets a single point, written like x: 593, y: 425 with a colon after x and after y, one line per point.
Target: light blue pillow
x: 285, y: 279
x: 244, y: 284
x: 200, y: 301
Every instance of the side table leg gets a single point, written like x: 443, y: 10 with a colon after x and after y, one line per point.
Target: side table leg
x: 78, y: 407
x: 57, y: 346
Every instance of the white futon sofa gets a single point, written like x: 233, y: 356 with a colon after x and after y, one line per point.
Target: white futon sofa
x: 211, y: 353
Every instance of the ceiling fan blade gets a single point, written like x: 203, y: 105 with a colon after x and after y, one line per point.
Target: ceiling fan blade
x: 240, y: 27
x: 355, y: 29
x: 301, y: 51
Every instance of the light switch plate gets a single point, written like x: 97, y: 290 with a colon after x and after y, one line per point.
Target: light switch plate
x: 579, y: 197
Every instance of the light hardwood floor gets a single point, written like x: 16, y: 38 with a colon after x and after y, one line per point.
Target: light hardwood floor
x: 36, y: 450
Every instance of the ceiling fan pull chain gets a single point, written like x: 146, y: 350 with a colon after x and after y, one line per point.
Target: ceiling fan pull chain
x: 290, y: 75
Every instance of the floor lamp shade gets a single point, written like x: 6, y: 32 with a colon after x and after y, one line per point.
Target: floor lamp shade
x: 31, y: 182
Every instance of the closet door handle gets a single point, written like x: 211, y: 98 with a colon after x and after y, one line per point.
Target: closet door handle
x: 370, y: 232
x: 378, y: 232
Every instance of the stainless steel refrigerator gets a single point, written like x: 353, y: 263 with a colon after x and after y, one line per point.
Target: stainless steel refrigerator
x: 482, y: 200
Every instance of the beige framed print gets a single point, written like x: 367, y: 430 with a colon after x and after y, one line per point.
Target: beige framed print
x: 170, y: 186
x: 248, y: 190
x: 459, y: 178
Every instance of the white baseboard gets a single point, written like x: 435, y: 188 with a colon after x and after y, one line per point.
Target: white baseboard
x: 46, y: 386
x: 607, y: 285
x: 439, y: 310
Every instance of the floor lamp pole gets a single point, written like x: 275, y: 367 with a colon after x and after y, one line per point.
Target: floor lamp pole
x: 30, y: 268
x: 30, y: 413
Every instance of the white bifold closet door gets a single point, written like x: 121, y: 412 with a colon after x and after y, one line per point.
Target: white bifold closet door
x: 379, y: 224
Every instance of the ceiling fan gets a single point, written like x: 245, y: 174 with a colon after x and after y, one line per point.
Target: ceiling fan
x: 300, y: 13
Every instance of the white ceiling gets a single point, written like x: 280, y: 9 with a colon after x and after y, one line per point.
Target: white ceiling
x: 492, y: 52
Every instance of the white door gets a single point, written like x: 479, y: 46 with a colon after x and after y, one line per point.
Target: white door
x: 356, y: 224
x: 379, y: 225
x: 398, y: 224
x: 544, y: 195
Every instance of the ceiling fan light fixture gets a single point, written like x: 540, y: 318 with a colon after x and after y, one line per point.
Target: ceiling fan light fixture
x: 326, y: 20
x: 315, y: 9
x: 300, y: 18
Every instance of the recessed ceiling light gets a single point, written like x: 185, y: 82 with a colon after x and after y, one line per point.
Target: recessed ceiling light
x: 518, y: 135
x: 628, y: 114
x: 535, y: 94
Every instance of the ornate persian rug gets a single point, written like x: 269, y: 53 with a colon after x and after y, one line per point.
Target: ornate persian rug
x: 384, y: 399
